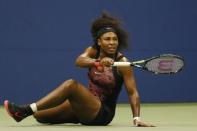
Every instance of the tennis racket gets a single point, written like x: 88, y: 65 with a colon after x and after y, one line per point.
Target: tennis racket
x: 162, y: 64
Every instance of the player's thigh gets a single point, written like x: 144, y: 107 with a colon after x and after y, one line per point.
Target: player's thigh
x: 84, y: 103
x: 62, y: 113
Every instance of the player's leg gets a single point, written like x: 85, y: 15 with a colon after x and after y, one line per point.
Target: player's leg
x: 84, y: 104
x: 62, y: 113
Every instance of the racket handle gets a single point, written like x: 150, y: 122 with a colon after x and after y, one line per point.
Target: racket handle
x: 121, y: 64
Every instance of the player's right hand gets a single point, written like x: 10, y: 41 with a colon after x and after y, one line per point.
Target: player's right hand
x: 107, y: 61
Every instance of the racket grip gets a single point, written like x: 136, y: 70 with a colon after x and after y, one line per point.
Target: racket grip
x: 121, y: 64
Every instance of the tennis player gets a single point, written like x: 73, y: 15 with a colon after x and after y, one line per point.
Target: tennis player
x: 72, y: 102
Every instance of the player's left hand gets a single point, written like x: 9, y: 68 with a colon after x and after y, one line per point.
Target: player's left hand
x: 139, y: 123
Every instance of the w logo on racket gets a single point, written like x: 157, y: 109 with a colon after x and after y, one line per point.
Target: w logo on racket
x: 165, y: 65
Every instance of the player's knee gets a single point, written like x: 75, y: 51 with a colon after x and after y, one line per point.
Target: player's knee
x: 71, y: 84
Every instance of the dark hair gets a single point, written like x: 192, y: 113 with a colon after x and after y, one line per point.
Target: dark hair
x: 106, y: 20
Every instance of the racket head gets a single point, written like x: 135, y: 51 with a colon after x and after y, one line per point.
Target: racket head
x: 165, y: 64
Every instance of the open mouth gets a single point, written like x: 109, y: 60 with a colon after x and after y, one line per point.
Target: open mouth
x: 112, y: 49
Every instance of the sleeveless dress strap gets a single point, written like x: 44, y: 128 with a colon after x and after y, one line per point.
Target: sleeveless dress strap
x: 119, y: 57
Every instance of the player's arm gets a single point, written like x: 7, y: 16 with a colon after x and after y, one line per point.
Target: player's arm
x: 130, y: 84
x: 134, y: 99
x: 86, y: 59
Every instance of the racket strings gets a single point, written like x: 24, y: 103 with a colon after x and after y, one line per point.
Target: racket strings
x: 164, y: 65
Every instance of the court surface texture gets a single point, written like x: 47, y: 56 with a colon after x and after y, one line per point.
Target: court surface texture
x: 166, y: 116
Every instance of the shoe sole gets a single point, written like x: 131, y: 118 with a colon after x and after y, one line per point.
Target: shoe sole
x: 6, y: 107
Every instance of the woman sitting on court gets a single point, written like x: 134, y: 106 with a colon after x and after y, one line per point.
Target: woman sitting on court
x: 72, y: 102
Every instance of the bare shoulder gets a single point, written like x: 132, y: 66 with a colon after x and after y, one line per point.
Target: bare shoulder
x: 123, y: 58
x: 90, y: 51
x: 124, y: 70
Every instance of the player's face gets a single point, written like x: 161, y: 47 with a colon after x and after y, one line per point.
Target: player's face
x: 108, y: 42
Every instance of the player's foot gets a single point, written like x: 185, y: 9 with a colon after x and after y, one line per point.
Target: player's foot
x: 15, y: 111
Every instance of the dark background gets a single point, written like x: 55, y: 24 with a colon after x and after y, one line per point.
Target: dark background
x: 40, y: 39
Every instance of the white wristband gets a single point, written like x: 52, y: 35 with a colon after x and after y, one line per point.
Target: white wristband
x: 136, y: 118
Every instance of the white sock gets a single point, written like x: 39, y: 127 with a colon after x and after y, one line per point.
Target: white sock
x: 33, y: 107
